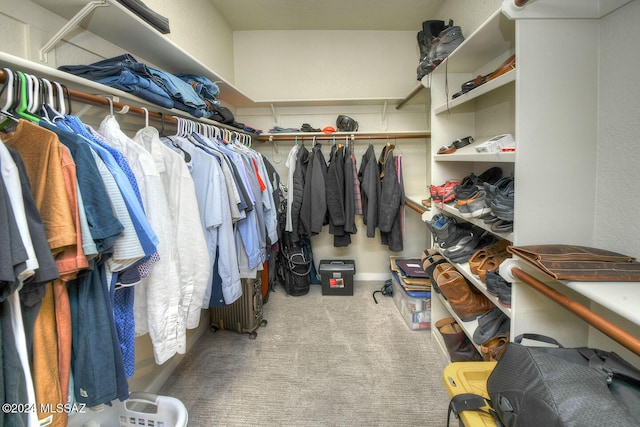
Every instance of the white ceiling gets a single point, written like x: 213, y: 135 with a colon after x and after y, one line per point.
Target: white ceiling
x: 400, y: 15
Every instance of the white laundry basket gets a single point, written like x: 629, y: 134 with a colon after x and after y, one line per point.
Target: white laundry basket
x: 141, y: 409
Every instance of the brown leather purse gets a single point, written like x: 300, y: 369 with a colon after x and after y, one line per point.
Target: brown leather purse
x: 580, y: 263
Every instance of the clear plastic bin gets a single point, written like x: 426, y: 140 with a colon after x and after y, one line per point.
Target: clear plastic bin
x: 415, y: 307
x: 141, y: 409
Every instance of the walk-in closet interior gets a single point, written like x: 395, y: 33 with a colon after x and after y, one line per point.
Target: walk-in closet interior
x: 169, y: 256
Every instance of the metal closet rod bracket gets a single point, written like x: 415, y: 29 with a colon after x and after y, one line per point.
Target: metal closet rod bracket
x: 72, y: 23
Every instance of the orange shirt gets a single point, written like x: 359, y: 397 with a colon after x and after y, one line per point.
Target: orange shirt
x: 72, y: 258
x: 39, y: 149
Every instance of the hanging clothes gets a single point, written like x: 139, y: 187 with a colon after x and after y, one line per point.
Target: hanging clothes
x: 336, y: 197
x: 351, y: 192
x: 369, y: 178
x: 290, y: 163
x: 23, y: 228
x: 313, y: 211
x: 187, y: 238
x: 94, y: 218
x: 390, y: 200
x: 297, y: 189
x: 48, y: 174
x: 215, y: 215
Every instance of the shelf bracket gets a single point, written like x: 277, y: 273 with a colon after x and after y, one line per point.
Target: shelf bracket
x: 383, y: 117
x: 274, y: 115
x: 73, y: 22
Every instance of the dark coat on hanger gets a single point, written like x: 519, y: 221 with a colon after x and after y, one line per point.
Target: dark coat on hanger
x: 299, y: 174
x: 349, y: 193
x: 336, y: 201
x: 391, y: 198
x: 313, y: 212
x: 369, y: 177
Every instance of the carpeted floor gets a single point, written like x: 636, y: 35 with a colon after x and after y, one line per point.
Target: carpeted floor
x: 320, y: 361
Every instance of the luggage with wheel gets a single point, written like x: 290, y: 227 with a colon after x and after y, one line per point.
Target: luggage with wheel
x: 243, y: 315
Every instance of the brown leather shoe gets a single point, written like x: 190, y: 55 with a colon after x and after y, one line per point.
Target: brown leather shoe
x: 491, y: 264
x: 465, y: 299
x: 493, y: 349
x: 480, y: 256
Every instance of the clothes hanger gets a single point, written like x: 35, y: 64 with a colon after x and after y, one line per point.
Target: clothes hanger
x: 22, y: 107
x: 110, y: 101
x: 33, y: 95
x: 146, y: 116
x: 67, y: 95
x: 41, y: 108
x: 61, y: 108
x: 9, y: 88
x: 186, y: 156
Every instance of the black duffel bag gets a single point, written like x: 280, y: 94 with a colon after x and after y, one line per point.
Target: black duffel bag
x: 557, y: 386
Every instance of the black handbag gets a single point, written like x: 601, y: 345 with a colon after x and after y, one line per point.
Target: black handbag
x: 557, y: 386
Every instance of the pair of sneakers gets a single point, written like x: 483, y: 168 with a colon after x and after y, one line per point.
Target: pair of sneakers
x: 440, y: 227
x: 475, y: 206
x: 499, y: 287
x: 471, y: 196
x: 501, y: 197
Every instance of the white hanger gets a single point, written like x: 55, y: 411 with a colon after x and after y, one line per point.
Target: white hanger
x: 8, y: 88
x: 32, y: 94
x: 62, y: 107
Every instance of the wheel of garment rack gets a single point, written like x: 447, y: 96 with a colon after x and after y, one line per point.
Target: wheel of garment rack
x: 214, y: 328
x: 253, y: 335
x: 263, y: 323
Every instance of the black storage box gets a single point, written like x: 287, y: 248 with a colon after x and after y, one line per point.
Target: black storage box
x: 337, y: 276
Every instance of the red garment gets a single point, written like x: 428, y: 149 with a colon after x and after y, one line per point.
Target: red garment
x: 260, y: 181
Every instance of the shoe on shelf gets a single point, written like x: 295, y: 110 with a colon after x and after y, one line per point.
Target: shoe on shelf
x: 502, y: 226
x: 493, y: 349
x: 465, y: 254
x: 490, y: 324
x: 491, y: 175
x: 501, y: 198
x: 496, y: 285
x: 429, y: 264
x: 441, y: 268
x: 475, y: 207
x: 481, y: 255
x: 440, y: 226
x: 444, y: 193
x: 457, y: 232
x: 470, y: 240
x: 459, y: 346
x: 467, y: 302
x: 468, y: 188
x: 491, y: 264
x: 504, y: 295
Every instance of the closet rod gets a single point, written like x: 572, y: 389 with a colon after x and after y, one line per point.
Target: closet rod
x: 341, y: 135
x: 605, y: 326
x: 102, y: 101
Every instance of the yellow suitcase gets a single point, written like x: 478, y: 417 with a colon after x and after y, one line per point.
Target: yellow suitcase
x: 470, y: 377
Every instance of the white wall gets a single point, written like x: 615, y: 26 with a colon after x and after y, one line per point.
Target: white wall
x: 617, y: 211
x: 308, y: 65
x: 198, y: 28
x: 281, y: 65
x: 469, y: 15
